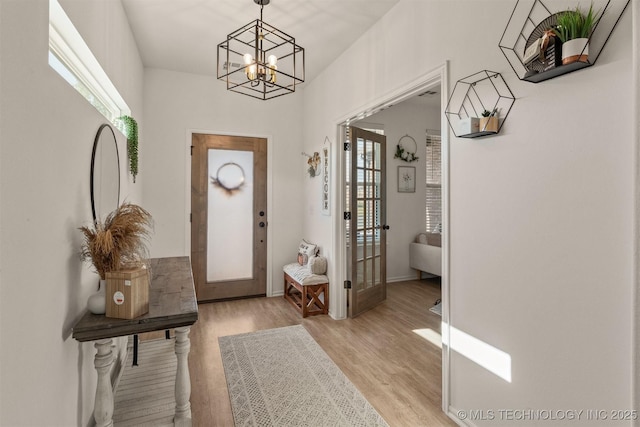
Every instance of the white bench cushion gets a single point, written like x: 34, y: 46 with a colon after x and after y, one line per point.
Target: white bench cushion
x: 302, y: 275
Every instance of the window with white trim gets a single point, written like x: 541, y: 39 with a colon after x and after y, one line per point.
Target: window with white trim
x: 70, y: 57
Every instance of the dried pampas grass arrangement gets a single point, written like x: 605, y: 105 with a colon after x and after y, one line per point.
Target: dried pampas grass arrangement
x: 118, y: 242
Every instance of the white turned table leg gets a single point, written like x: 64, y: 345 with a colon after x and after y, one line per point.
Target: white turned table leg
x: 183, y: 381
x: 103, y: 410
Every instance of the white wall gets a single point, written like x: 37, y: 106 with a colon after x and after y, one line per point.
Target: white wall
x: 46, y: 136
x: 405, y: 211
x: 540, y: 215
x: 178, y: 103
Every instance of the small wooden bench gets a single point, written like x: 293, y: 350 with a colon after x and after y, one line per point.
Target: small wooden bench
x: 307, y: 292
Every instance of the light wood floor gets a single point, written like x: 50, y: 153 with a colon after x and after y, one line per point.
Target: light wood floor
x: 395, y: 369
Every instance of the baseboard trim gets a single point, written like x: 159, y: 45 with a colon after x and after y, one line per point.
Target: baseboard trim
x: 401, y: 278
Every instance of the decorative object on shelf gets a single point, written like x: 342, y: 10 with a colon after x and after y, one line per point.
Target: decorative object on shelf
x: 531, y: 23
x: 548, y: 46
x: 489, y: 121
x: 326, y: 178
x: 406, y: 149
x: 474, y: 104
x: 468, y: 126
x: 260, y: 61
x: 128, y: 291
x: 229, y: 178
x: 313, y: 161
x: 406, y: 179
x: 97, y: 301
x: 120, y: 242
x: 574, y: 29
x: 130, y: 130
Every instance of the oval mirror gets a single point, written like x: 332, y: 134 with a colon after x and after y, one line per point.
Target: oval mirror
x: 105, y: 173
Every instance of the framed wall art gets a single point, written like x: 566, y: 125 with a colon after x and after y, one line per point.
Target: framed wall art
x: 406, y: 179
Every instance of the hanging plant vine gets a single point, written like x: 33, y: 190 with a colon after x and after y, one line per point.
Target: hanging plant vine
x: 131, y: 132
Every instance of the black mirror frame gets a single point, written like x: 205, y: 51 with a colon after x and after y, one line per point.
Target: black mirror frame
x: 93, y: 159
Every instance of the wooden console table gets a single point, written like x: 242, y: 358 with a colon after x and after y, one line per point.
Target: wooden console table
x: 172, y: 304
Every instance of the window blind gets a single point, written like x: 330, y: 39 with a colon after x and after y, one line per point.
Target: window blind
x: 433, y: 213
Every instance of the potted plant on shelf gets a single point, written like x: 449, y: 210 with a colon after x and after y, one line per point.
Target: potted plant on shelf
x: 118, y: 242
x: 489, y: 121
x: 573, y: 28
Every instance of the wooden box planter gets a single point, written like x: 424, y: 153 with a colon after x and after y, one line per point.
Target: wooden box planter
x: 488, y: 124
x: 127, y: 293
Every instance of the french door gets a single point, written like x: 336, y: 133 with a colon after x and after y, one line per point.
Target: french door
x: 367, y: 229
x: 228, y: 216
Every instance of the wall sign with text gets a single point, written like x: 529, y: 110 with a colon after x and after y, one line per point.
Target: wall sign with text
x: 326, y: 180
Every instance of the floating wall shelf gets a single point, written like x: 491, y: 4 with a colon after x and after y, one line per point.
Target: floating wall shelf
x: 484, y: 90
x: 531, y: 18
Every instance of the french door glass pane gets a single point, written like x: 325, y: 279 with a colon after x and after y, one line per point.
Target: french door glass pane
x: 360, y: 275
x: 230, y: 215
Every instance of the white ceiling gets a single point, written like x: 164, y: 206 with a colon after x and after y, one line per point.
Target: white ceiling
x: 183, y: 35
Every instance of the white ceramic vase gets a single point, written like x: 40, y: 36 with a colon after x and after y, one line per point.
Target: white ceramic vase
x: 575, y: 50
x: 97, y: 302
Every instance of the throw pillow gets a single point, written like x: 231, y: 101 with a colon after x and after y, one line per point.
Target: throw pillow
x: 305, y: 251
x: 318, y: 265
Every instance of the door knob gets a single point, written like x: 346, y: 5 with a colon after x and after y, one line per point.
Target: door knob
x: 261, y: 224
x: 385, y: 227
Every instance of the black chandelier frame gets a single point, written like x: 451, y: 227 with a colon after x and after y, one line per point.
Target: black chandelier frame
x: 261, y: 40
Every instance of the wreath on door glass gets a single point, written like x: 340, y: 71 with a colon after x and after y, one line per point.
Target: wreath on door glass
x: 406, y: 149
x: 229, y: 178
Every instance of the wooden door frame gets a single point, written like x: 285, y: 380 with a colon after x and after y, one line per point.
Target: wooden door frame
x: 187, y: 202
x: 425, y: 81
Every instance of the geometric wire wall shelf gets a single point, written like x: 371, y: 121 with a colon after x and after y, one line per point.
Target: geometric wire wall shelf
x: 531, y: 18
x: 473, y: 95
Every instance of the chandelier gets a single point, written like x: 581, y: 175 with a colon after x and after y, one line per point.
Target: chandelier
x: 260, y: 61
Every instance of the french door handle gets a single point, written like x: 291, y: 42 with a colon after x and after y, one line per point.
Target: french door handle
x: 261, y: 224
x: 385, y: 227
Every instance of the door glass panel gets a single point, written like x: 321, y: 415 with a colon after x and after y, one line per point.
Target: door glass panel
x: 360, y: 275
x: 376, y: 270
x: 230, y: 215
x: 370, y: 261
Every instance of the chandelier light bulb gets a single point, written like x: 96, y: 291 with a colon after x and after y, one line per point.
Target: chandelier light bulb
x: 273, y: 60
x: 250, y: 67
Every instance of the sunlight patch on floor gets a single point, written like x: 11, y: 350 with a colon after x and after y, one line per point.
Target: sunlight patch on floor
x: 430, y: 335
